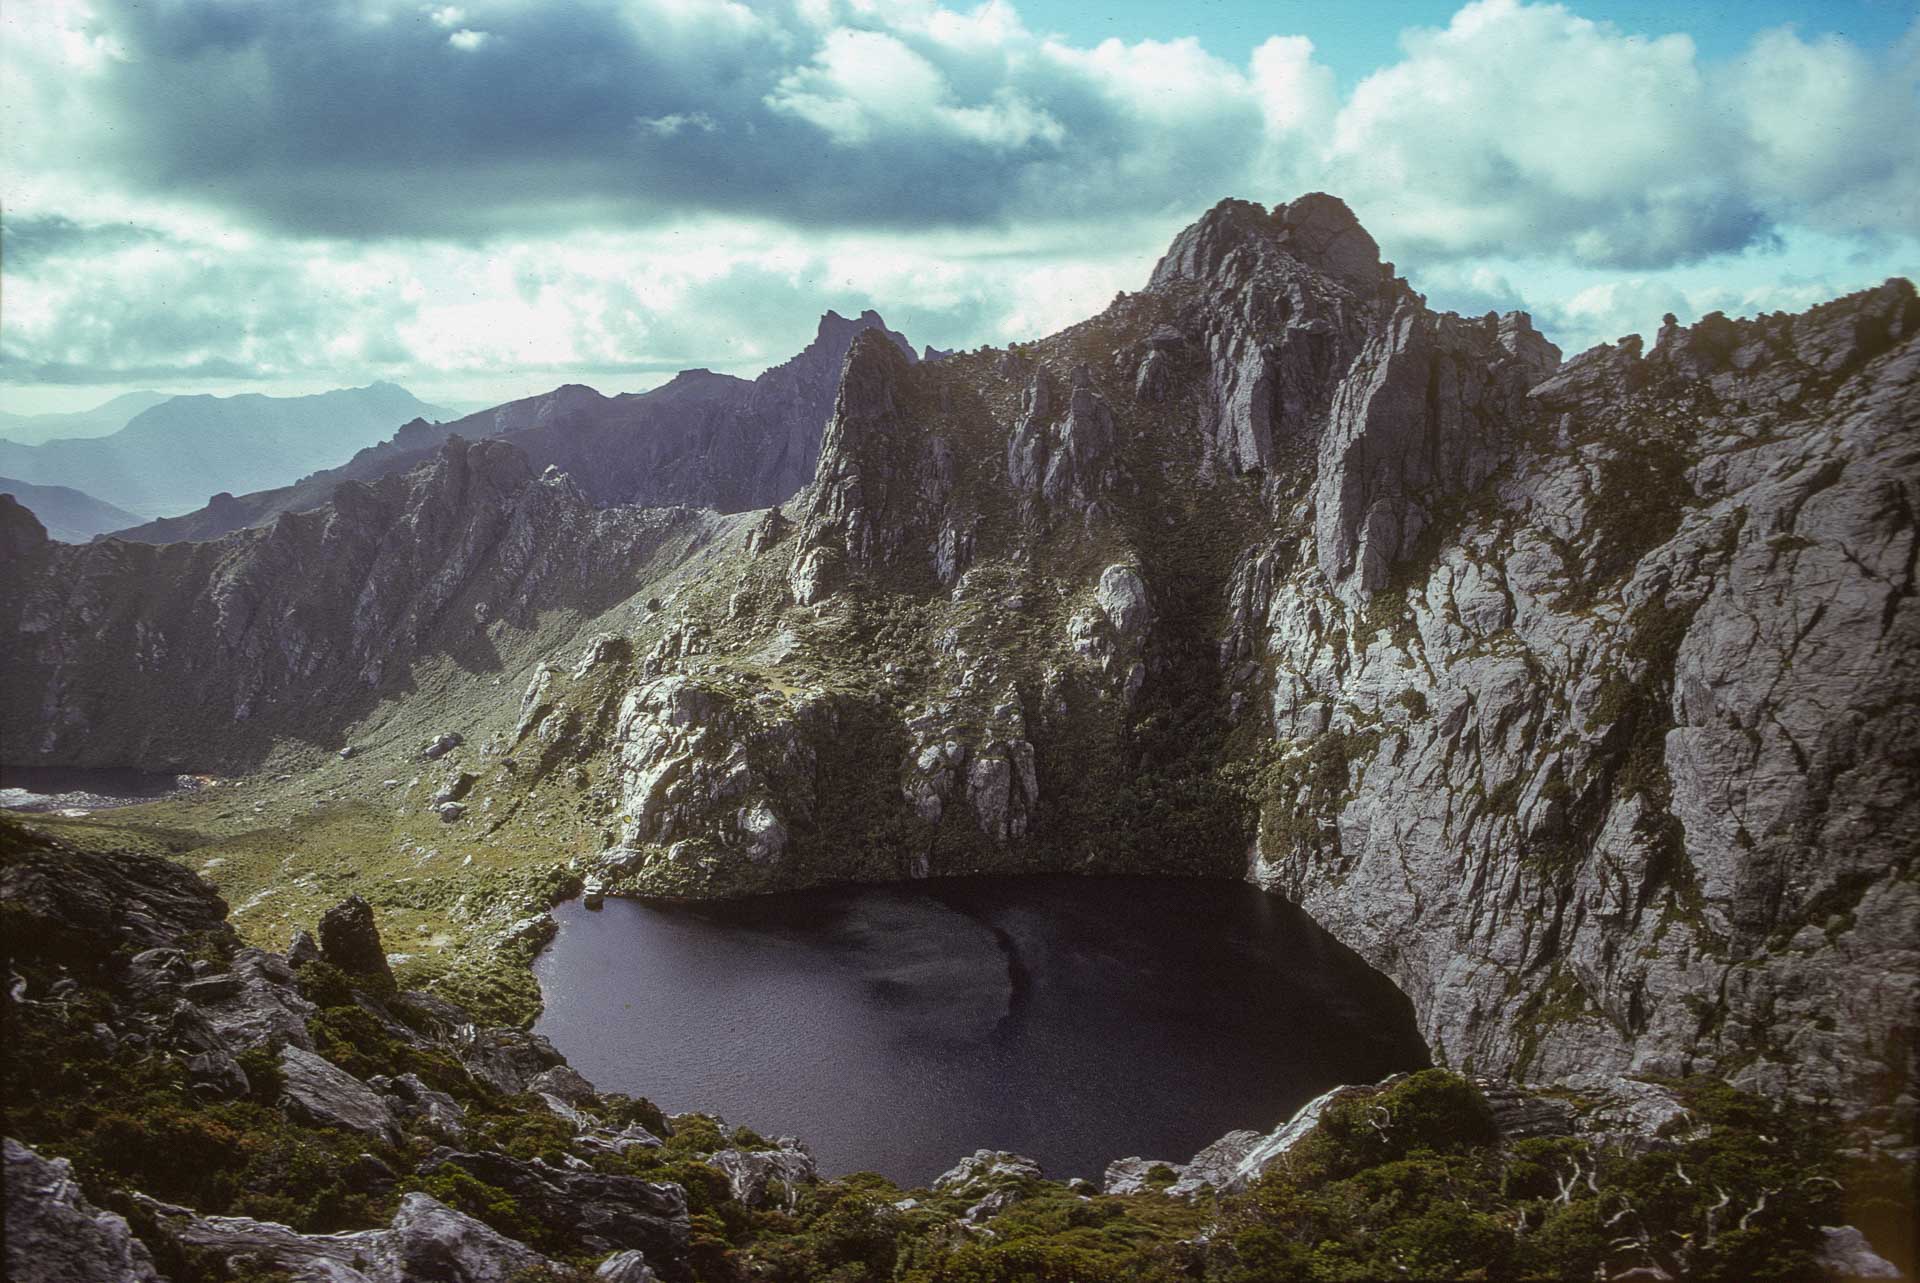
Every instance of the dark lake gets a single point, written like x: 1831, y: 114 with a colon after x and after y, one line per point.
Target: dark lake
x: 57, y: 788
x: 896, y: 1028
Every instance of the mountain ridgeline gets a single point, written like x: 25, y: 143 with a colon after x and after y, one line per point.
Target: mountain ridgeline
x: 1577, y: 697
x: 67, y: 514
x: 704, y: 439
x: 171, y: 456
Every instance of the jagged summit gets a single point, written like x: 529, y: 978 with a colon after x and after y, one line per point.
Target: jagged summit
x: 1317, y: 229
x: 836, y: 332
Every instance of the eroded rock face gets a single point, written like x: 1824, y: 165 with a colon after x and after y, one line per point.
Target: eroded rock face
x: 54, y: 1235
x: 985, y: 1169
x: 1639, y: 688
x: 133, y: 653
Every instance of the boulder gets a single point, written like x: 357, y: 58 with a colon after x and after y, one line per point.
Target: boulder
x: 441, y: 745
x: 410, y: 1098
x: 426, y: 1240
x: 303, y: 949
x: 601, y: 1213
x: 1133, y: 1175
x: 564, y: 1082
x: 766, y: 1177
x: 54, y: 1235
x: 257, y: 1004
x: 508, y: 1060
x: 1846, y: 1254
x: 429, y: 1240
x: 1122, y: 596
x: 329, y: 1096
x: 350, y: 941
x: 986, y: 1169
x: 625, y: 1267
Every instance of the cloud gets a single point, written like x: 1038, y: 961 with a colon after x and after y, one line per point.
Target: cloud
x: 1525, y: 127
x: 147, y: 304
x: 669, y: 125
x: 865, y: 82
x: 1516, y: 126
x: 611, y: 184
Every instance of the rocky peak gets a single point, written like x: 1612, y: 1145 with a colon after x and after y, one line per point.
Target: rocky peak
x: 20, y: 531
x: 856, y: 455
x: 1533, y: 350
x: 837, y: 333
x: 1317, y: 230
x: 1281, y: 302
x: 481, y: 467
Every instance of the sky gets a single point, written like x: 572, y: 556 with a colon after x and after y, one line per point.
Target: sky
x: 485, y: 199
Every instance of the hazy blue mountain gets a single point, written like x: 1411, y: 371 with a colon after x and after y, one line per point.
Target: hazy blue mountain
x: 170, y: 457
x: 103, y: 419
x: 68, y: 515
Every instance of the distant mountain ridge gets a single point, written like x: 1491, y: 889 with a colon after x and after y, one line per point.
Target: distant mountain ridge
x: 107, y: 417
x: 171, y: 456
x: 69, y: 515
x: 702, y: 439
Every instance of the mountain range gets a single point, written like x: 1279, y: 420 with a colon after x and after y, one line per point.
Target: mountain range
x: 103, y: 419
x: 68, y: 515
x: 706, y: 439
x: 1575, y: 695
x: 170, y: 457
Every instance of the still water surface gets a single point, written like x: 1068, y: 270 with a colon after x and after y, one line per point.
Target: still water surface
x: 896, y: 1028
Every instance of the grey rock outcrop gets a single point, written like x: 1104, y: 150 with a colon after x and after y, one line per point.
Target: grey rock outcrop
x: 1846, y: 1254
x: 408, y: 1097
x: 986, y: 1169
x: 426, y: 1240
x: 766, y: 1177
x: 508, y: 1060
x: 350, y: 940
x: 1228, y: 1165
x: 116, y: 900
x: 54, y: 1235
x: 1133, y: 1175
x: 601, y: 1213
x: 256, y: 1004
x: 1605, y: 653
x: 625, y: 1267
x: 1288, y: 296
x: 325, y: 1094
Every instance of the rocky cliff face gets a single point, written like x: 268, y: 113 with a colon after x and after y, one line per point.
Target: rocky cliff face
x: 1577, y: 697
x: 202, y: 654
